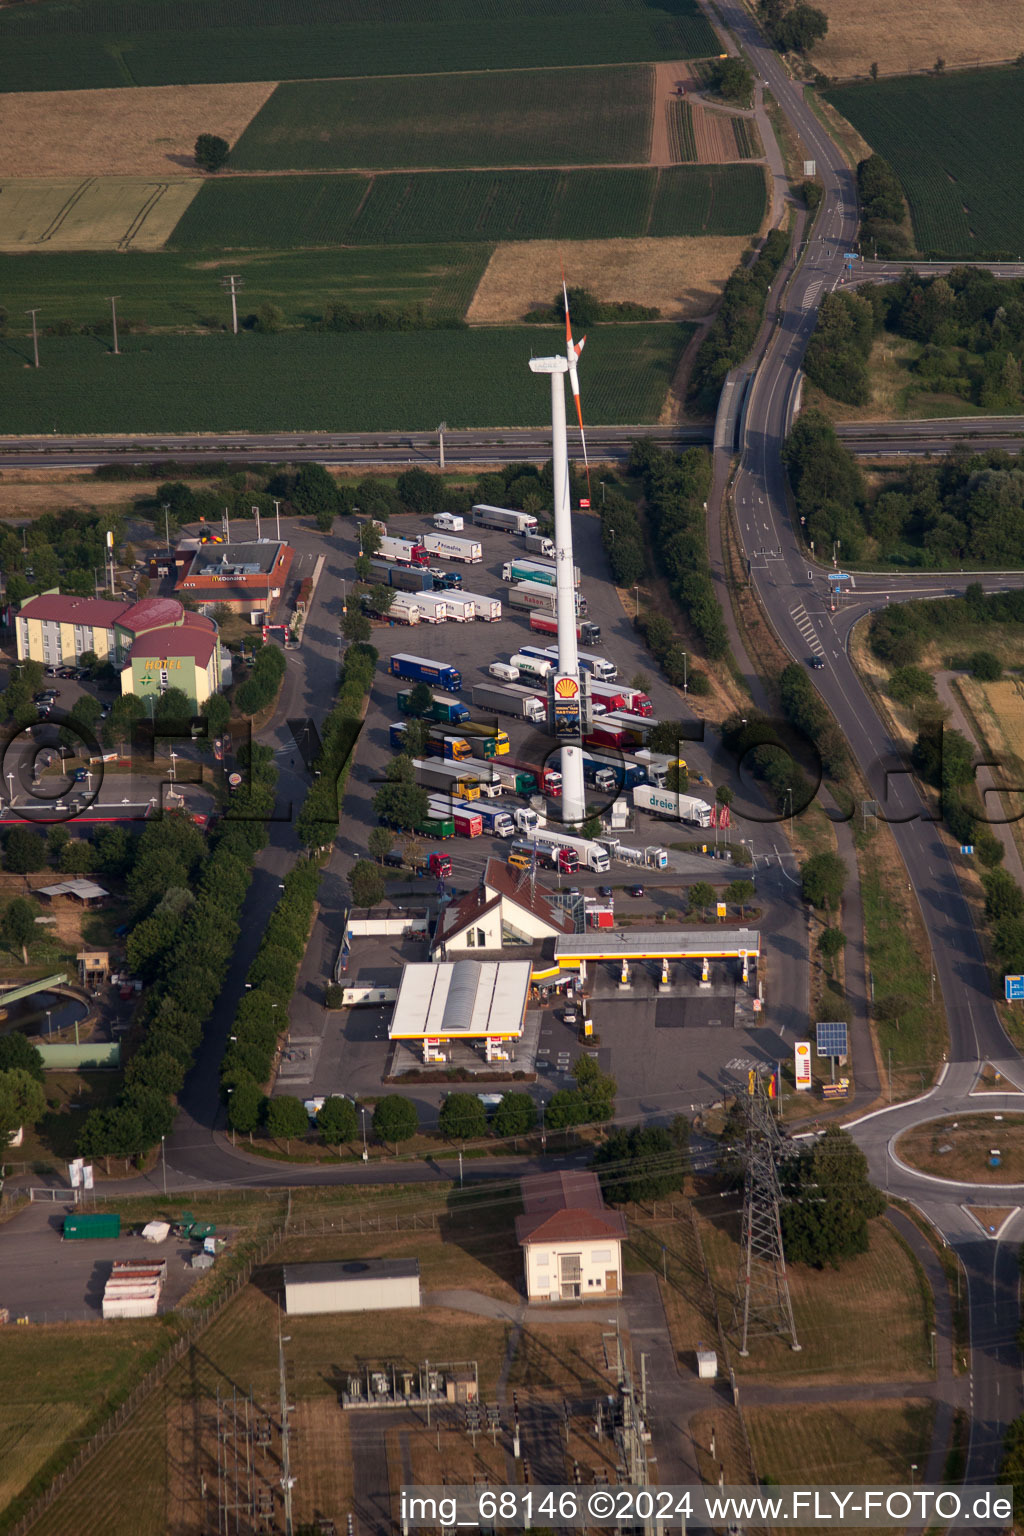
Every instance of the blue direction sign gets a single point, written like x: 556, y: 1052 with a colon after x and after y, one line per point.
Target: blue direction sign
x: 1014, y: 989
x: 966, y: 847
x: 839, y: 576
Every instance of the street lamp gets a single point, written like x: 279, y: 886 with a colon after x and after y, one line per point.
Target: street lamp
x: 362, y: 1116
x: 174, y: 759
x: 49, y: 1026
x: 685, y: 672
x: 636, y: 590
x: 913, y: 1472
x: 88, y: 780
x: 163, y: 1161
x: 10, y: 781
x: 789, y: 792
x: 543, y: 1132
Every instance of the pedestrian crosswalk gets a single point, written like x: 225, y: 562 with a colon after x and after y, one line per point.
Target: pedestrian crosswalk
x: 801, y: 618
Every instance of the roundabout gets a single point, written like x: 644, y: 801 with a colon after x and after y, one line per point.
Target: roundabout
x: 975, y: 1147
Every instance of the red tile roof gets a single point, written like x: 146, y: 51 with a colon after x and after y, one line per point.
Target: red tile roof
x: 515, y: 884
x: 458, y: 915
x: 66, y: 608
x: 151, y: 613
x: 196, y: 637
x: 566, y: 1207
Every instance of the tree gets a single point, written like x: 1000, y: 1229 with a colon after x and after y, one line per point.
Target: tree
x: 16, y: 1051
x: 829, y: 1201
x: 211, y: 151
x: 356, y: 627
x: 596, y: 1090
x: 22, y: 1102
x: 395, y: 1119
x: 831, y: 942
x: 18, y: 925
x: 381, y: 598
x: 337, y: 1120
x: 701, y: 896
x: 986, y: 666
x: 401, y: 805
x: 732, y: 79
x: 643, y: 1163
x: 1011, y: 1469
x: 24, y: 851
x: 640, y: 680
x: 315, y: 494
x: 367, y: 884
x: 874, y: 71
x: 742, y: 856
x: 462, y: 1117
x: 800, y: 29
x: 516, y: 1115
x: 56, y: 840
x: 421, y: 699
x: 742, y: 891
x: 379, y: 842
x: 824, y: 876
x: 421, y: 491
x: 245, y: 1106
x: 286, y: 1118
x: 591, y: 827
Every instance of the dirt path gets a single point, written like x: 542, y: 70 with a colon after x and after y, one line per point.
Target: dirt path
x: 666, y: 78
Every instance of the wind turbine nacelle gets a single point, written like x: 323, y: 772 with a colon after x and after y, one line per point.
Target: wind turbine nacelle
x: 549, y: 364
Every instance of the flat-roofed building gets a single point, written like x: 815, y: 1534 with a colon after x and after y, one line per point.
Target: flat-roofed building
x: 247, y: 578
x: 470, y: 1000
x: 351, y: 1285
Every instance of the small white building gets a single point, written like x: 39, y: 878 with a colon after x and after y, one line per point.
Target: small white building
x: 571, y: 1241
x: 351, y: 1285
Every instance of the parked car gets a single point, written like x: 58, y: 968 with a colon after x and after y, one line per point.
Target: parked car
x: 636, y: 890
x: 80, y: 775
x: 605, y: 891
x: 394, y: 861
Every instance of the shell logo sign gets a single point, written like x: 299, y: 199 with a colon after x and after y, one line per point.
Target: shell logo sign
x: 567, y: 688
x: 802, y: 1065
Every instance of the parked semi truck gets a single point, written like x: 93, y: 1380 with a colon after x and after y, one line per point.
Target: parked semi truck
x: 598, y: 775
x: 599, y: 667
x: 549, y: 778
x: 511, y: 780
x: 590, y: 854
x: 437, y: 864
x: 441, y: 829
x: 495, y: 821
x: 535, y: 570
x: 539, y: 544
x: 504, y: 519
x: 509, y: 700
x: 589, y: 633
x: 402, y: 551
x: 487, y: 740
x: 656, y: 765
x: 443, y: 547
x: 484, y: 607
x: 443, y: 708
x: 538, y: 597
x: 453, y: 749
x: 632, y: 701
x: 523, y: 852
x: 534, y: 669
x: 627, y: 774
x: 665, y: 802
x: 420, y: 669
x: 406, y: 608
x: 407, y: 578
x: 467, y: 819
x: 451, y: 778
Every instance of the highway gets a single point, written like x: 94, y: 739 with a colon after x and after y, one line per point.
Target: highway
x: 793, y: 592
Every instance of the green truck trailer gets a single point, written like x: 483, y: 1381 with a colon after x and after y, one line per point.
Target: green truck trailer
x: 95, y: 1224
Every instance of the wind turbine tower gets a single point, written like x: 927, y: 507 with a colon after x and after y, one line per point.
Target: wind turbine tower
x: 566, y: 692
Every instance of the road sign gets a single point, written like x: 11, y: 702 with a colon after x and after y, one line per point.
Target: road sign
x: 850, y: 256
x: 839, y: 576
x: 1014, y: 988
x: 966, y: 847
x: 585, y: 503
x: 831, y: 1038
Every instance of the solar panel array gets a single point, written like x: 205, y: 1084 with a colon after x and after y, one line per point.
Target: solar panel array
x: 832, y: 1039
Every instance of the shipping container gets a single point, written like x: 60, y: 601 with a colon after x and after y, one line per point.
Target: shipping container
x: 95, y: 1224
x: 504, y: 519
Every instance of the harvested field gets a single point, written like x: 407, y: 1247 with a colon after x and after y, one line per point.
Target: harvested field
x: 681, y: 276
x: 979, y: 32
x: 713, y: 136
x: 95, y: 213
x: 842, y: 1442
x: 30, y: 493
x: 148, y: 132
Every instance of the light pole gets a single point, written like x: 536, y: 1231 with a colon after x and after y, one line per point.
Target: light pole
x: 167, y: 525
x: 88, y: 781
x: 113, y: 315
x: 789, y: 792
x: 35, y: 336
x: 163, y: 1161
x: 10, y: 782
x: 543, y: 1132
x: 686, y: 672
x: 636, y: 592
x: 49, y: 1025
x: 174, y: 759
x: 277, y: 515
x: 913, y: 1472
x: 362, y: 1116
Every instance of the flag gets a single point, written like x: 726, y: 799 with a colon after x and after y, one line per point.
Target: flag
x: 772, y: 1085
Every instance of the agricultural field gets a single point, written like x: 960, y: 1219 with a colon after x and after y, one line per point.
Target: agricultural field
x: 901, y: 39
x: 748, y: 139
x: 473, y: 206
x: 165, y: 289
x: 120, y: 133
x: 98, y: 213
x: 363, y: 381
x: 71, y: 44
x: 871, y: 1442
x: 682, y: 277
x: 680, y: 131
x: 528, y: 117
x: 953, y: 142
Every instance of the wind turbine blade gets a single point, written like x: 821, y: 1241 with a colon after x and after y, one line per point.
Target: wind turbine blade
x: 572, y: 352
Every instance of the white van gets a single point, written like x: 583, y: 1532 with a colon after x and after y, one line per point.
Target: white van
x: 447, y: 522
x: 504, y: 672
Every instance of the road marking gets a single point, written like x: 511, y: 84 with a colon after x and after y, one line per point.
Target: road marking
x: 811, y: 293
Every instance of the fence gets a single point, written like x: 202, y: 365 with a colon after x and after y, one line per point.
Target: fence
x: 722, y: 1344
x: 202, y: 1320
x: 397, y: 1221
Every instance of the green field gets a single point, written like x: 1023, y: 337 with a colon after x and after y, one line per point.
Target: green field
x: 77, y: 44
x: 748, y: 140
x: 527, y: 117
x: 431, y: 206
x: 165, y: 288
x: 954, y: 142
x: 363, y: 381
x: 680, y: 131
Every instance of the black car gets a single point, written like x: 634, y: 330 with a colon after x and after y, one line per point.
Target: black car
x: 606, y: 891
x: 817, y: 662
x: 636, y: 890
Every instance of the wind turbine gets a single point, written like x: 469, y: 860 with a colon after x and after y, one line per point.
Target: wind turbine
x: 572, y: 352
x: 566, y: 687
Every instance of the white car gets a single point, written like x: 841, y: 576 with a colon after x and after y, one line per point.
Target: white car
x: 504, y: 671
